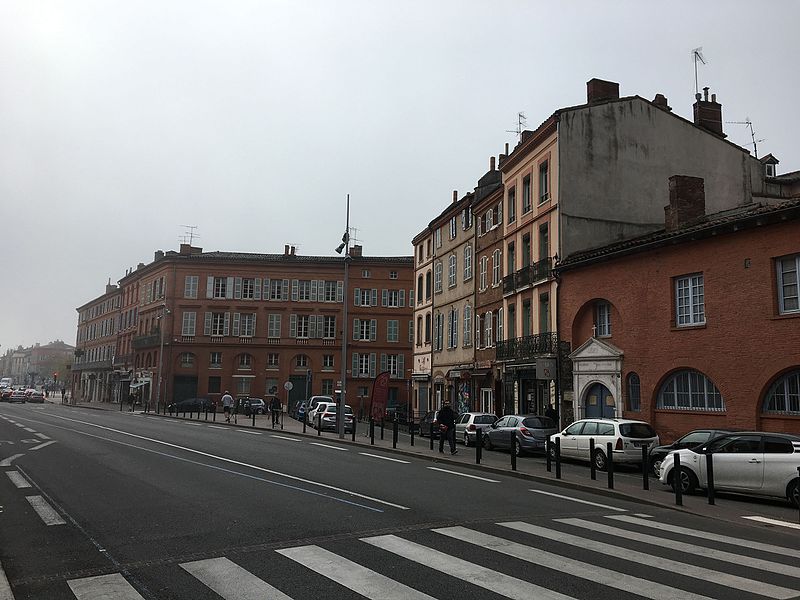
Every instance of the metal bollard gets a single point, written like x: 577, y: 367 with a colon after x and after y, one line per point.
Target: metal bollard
x: 371, y: 431
x: 710, y: 477
x: 206, y: 413
x: 548, y: 462
x: 319, y: 429
x: 797, y: 494
x: 645, y: 468
x: 431, y: 433
x: 676, y: 479
x: 411, y: 429
x: 253, y: 414
x: 184, y: 413
x: 281, y: 421
x: 120, y: 406
x: 394, y: 433
x: 558, y: 458
x: 214, y: 414
x: 592, y: 467
x: 610, y: 465
x: 513, y: 450
x: 383, y: 424
x: 305, y: 420
x: 355, y: 423
x: 478, y: 445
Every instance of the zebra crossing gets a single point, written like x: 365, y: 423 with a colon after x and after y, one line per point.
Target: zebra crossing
x: 599, y: 557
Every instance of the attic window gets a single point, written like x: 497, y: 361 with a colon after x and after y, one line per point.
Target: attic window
x: 770, y: 169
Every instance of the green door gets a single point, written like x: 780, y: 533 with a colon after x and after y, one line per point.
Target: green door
x: 183, y: 387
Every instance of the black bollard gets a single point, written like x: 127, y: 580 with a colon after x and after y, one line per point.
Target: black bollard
x: 319, y: 429
x: 547, y: 445
x: 610, y: 465
x: 797, y: 494
x: 206, y: 413
x: 411, y: 429
x: 305, y: 420
x: 394, y: 432
x: 710, y: 477
x: 676, y: 479
x: 281, y: 421
x: 592, y: 467
x: 431, y: 433
x: 383, y: 423
x: 214, y: 414
x: 513, y: 449
x: 645, y: 468
x: 253, y: 414
x: 478, y: 445
x: 354, y: 429
x: 371, y: 431
x: 184, y: 413
x: 558, y: 458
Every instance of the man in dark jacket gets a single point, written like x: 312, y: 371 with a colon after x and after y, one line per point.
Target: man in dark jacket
x: 447, y: 427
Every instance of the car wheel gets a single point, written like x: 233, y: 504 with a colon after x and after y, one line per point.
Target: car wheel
x: 655, y: 467
x: 793, y: 492
x: 466, y: 439
x: 517, y: 448
x: 487, y: 442
x: 600, y: 460
x: 687, y: 479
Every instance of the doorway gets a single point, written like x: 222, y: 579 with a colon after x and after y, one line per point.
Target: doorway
x: 599, y: 402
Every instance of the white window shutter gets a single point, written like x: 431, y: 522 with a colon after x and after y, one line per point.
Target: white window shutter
x: 401, y: 367
x: 384, y: 364
x: 320, y: 326
x: 257, y: 289
x: 356, y: 327
x: 210, y: 287
x: 254, y: 324
x: 265, y: 295
x: 455, y: 328
x: 312, y: 326
x: 340, y: 291
x: 411, y: 332
x: 402, y: 298
x: 292, y: 326
x: 229, y: 288
x: 285, y: 290
x: 373, y: 329
x: 357, y: 297
x: 355, y: 365
x: 237, y: 288
x: 313, y: 290
x: 226, y: 324
x: 372, y: 364
x: 374, y: 297
x: 384, y: 297
x: 295, y: 290
x: 236, y: 320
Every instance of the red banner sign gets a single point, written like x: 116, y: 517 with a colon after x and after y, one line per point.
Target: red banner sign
x: 380, y: 395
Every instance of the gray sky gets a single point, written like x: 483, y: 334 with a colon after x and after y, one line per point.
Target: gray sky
x: 122, y: 121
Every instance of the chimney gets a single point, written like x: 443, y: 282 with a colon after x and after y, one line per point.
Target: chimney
x: 708, y: 113
x: 687, y: 202
x: 286, y: 249
x: 356, y: 251
x: 139, y: 266
x: 159, y: 254
x: 455, y: 195
x: 185, y: 249
x: 598, y: 90
x: 491, y: 163
x: 291, y: 250
x: 661, y: 102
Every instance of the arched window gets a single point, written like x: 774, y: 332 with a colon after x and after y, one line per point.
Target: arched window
x: 420, y: 290
x: 634, y: 392
x: 419, y: 330
x: 428, y: 285
x: 187, y: 359
x: 245, y: 362
x: 783, y: 397
x: 148, y: 361
x: 690, y: 390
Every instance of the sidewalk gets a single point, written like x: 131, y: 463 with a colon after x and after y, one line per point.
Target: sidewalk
x: 628, y: 483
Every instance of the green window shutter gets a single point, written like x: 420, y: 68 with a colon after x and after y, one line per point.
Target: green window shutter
x: 226, y: 324
x: 383, y: 362
x: 207, y: 323
x: 295, y: 290
x: 229, y: 288
x: 372, y: 364
x: 402, y: 298
x: 373, y: 329
x: 411, y: 297
x: 357, y: 297
x: 236, y: 320
x: 374, y: 297
x: 292, y: 326
x: 401, y: 370
x: 340, y: 291
x: 237, y: 288
x: 285, y: 290
x: 355, y: 364
x: 257, y: 289
x: 210, y: 287
x: 356, y: 327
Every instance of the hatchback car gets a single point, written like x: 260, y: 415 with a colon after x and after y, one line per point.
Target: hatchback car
x: 627, y: 438
x: 18, y: 396
x: 690, y: 440
x: 750, y: 462
x: 326, y: 416
x: 36, y: 397
x: 428, y: 419
x: 467, y: 425
x: 530, y: 433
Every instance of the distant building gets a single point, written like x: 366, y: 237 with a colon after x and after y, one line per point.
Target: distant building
x: 95, y: 347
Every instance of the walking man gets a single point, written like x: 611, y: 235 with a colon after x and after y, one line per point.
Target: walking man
x: 447, y: 427
x: 275, y: 407
x: 227, y: 403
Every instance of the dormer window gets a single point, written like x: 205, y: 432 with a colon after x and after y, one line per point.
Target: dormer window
x: 770, y: 170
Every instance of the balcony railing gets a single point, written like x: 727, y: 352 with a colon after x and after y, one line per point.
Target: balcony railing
x: 527, y: 347
x: 146, y: 341
x: 538, y: 271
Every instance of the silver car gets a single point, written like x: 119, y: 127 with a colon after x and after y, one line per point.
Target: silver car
x: 530, y: 433
x: 467, y: 425
x: 750, y: 462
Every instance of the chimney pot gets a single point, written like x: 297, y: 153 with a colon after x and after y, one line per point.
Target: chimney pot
x: 713, y: 97
x: 291, y: 250
x: 455, y: 195
x: 705, y: 93
x: 491, y: 163
x: 598, y: 90
x: 286, y: 249
x: 506, y: 152
x: 708, y: 114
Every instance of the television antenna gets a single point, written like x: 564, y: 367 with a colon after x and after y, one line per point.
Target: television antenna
x: 749, y: 124
x: 697, y: 56
x: 189, y: 235
x: 521, y: 125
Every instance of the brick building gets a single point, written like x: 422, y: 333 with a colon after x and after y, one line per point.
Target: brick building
x: 95, y: 347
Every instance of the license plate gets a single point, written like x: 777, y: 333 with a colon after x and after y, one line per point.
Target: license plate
x: 639, y: 444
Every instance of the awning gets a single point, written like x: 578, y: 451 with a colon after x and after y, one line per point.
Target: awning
x: 133, y: 386
x: 420, y: 376
x: 480, y: 373
x: 454, y: 374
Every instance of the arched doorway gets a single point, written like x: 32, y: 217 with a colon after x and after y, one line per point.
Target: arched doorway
x: 599, y: 402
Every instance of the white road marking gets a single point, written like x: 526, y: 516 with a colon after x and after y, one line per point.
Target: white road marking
x: 46, y: 512
x: 43, y: 444
x: 5, y: 587
x: 737, y: 559
x: 570, y: 498
x: 43, y: 436
x: 17, y: 479
x: 463, y: 474
x: 103, y: 587
x: 6, y: 462
x: 658, y: 562
x: 192, y: 424
x: 405, y: 462
x: 328, y: 446
x: 28, y: 429
x: 216, y: 427
x: 248, y: 431
x: 351, y: 575
x: 576, y: 568
x: 283, y: 437
x: 714, y: 537
x: 499, y: 583
x: 642, y: 516
x: 774, y: 522
x: 231, y: 581
x: 20, y: 425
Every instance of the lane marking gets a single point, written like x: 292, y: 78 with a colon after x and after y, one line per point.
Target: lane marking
x: 606, y: 506
x: 499, y: 583
x: 46, y: 512
x: 103, y: 586
x: 43, y: 436
x: 20, y: 425
x: 17, y: 479
x: 352, y: 575
x: 229, y: 580
x: 28, y: 429
x: 192, y: 424
x: 576, y: 568
x: 283, y: 437
x: 42, y: 445
x: 405, y: 462
x: 216, y: 427
x: 248, y: 431
x: 657, y: 562
x: 328, y: 446
x: 5, y: 587
x: 715, y: 537
x: 6, y: 462
x: 774, y: 522
x: 463, y: 474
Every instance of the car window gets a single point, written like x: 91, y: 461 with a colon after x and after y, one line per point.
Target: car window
x: 546, y: 422
x: 740, y: 444
x: 605, y: 429
x: 636, y: 430
x: 575, y: 428
x: 532, y: 422
x: 512, y: 422
x: 589, y: 429
x: 485, y: 419
x: 776, y: 445
x: 502, y: 422
x: 464, y: 418
x: 695, y: 438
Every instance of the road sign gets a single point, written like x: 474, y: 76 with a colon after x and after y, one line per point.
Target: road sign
x: 288, y: 386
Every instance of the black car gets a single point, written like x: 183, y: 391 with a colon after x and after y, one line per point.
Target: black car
x: 690, y: 440
x: 191, y: 405
x: 425, y: 424
x: 248, y: 406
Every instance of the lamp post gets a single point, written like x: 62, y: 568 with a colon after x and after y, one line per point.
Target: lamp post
x: 165, y: 311
x: 344, y: 246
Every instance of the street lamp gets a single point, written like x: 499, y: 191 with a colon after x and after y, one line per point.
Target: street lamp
x: 160, y: 318
x: 344, y: 246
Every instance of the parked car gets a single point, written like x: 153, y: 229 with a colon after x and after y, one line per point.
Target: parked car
x: 531, y: 433
x: 5, y: 395
x: 627, y: 438
x: 690, y: 440
x: 36, y: 397
x: 749, y: 462
x: 191, y: 405
x: 299, y: 411
x: 326, y: 411
x: 313, y: 402
x: 248, y: 406
x: 467, y: 425
x: 425, y: 424
x: 17, y: 396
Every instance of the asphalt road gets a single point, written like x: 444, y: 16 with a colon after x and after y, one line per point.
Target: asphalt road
x: 146, y: 507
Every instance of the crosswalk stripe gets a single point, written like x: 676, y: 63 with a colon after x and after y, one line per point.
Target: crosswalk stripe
x: 351, y: 575
x: 499, y: 583
x: 5, y: 587
x: 103, y: 587
x: 658, y: 562
x: 708, y: 536
x: 756, y: 563
x: 463, y: 474
x: 17, y: 479
x: 773, y: 522
x: 231, y: 581
x: 45, y: 511
x: 576, y: 568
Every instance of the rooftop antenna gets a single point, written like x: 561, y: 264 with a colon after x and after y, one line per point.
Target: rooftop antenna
x: 354, y: 235
x: 697, y: 55
x: 749, y: 124
x: 189, y: 235
x: 521, y: 124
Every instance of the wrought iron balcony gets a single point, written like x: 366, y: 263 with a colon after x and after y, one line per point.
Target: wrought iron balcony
x: 528, y: 346
x: 530, y: 275
x: 146, y: 341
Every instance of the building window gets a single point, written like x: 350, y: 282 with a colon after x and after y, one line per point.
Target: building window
x: 788, y: 285
x: 274, y: 326
x: 304, y: 290
x: 437, y: 281
x: 215, y: 361
x: 392, y: 330
x: 327, y: 387
x: 512, y: 205
x: 690, y: 300
x: 690, y: 390
x: 634, y: 392
x: 526, y: 194
x: 242, y: 386
x: 453, y: 229
x: 301, y: 361
x: 496, y: 268
x: 189, y: 323
x: 467, y: 262
x: 271, y: 386
x: 218, y: 324
x: 438, y: 237
x: 220, y: 287
x: 327, y: 361
x: 769, y: 169
x: 544, y: 313
x: 428, y: 328
x: 602, y: 319
x: 303, y: 326
x: 245, y: 362
x: 190, y: 283
x: 214, y: 385
x: 544, y: 241
x: 527, y: 314
x: 419, y: 331
x: 393, y: 298
x: 451, y: 271
x: 247, y: 327
x: 363, y: 365
x: 482, y: 273
x: 329, y: 327
x: 544, y: 183
x: 467, y: 326
x: 783, y: 397
x: 364, y: 329
x: 466, y: 218
x: 392, y: 274
x: 187, y: 359
x: 512, y: 321
x: 273, y: 360
x: 365, y: 274
x: 276, y: 289
x: 452, y: 328
x: 331, y: 288
x: 248, y: 288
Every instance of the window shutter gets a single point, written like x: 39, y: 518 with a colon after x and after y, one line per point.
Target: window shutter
x: 229, y: 288
x: 436, y: 332
x: 320, y: 326
x: 477, y: 330
x: 237, y: 288
x: 207, y: 323
x: 226, y: 324
x: 357, y: 297
x: 411, y: 332
x: 295, y: 290
x: 356, y: 326
x: 292, y: 326
x: 499, y: 324
x: 210, y: 287
x: 402, y: 298
x: 285, y: 290
x: 355, y: 365
x: 257, y: 289
x: 373, y: 329
x: 321, y: 290
x: 236, y: 320
x: 372, y: 364
x: 265, y: 295
x: 383, y: 362
x: 401, y: 367
x: 411, y: 297
x: 340, y: 291
x: 374, y: 297
x: 455, y: 328
x: 384, y: 297
x: 254, y: 324
x: 312, y: 326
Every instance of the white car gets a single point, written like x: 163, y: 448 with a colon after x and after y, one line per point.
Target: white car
x: 313, y: 402
x: 749, y: 462
x: 627, y: 438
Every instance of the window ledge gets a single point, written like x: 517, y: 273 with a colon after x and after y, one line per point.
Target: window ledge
x: 788, y: 315
x: 689, y: 411
x: 688, y: 327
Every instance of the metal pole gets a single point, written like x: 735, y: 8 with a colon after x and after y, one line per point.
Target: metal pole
x: 371, y: 431
x: 394, y: 432
x: 610, y: 465
x: 345, y: 329
x: 646, y: 469
x: 710, y: 477
x: 548, y: 460
x: 383, y: 425
x: 513, y: 450
x: 676, y: 479
x: 411, y: 428
x: 592, y: 468
x: 431, y: 432
x: 161, y: 319
x: 558, y: 458
x: 478, y: 445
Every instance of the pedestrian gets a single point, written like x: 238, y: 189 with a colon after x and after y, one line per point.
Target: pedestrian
x: 551, y: 414
x: 227, y: 402
x: 275, y: 407
x: 131, y: 400
x: 63, y: 393
x: 447, y: 427
x: 301, y: 412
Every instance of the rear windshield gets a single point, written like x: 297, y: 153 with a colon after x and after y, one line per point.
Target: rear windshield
x: 636, y: 430
x: 485, y: 419
x: 332, y: 409
x: 542, y: 422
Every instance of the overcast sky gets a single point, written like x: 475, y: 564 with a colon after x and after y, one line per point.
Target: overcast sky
x: 122, y: 121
